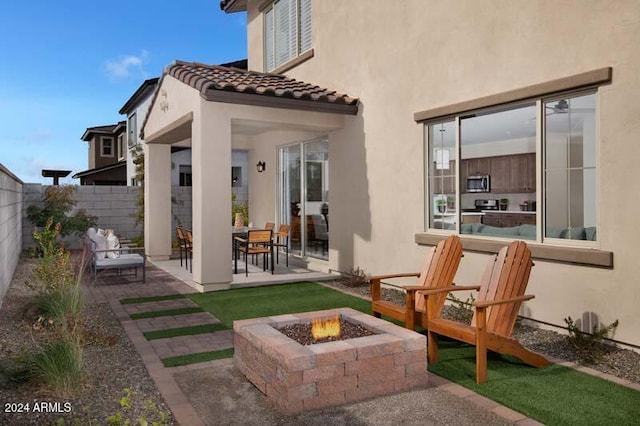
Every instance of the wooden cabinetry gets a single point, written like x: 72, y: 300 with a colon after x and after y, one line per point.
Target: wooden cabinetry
x: 509, y: 173
x: 500, y: 181
x: 522, y: 173
x: 507, y: 220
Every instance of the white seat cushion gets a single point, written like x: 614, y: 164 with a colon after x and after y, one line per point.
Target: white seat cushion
x: 123, y: 261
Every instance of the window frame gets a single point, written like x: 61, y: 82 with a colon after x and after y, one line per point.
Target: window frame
x: 121, y: 149
x: 301, y: 54
x: 539, y: 101
x: 132, y: 128
x: 103, y: 139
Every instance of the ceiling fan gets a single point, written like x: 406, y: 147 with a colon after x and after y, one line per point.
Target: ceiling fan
x: 563, y: 107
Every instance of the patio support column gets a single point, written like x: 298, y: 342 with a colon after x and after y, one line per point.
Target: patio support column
x: 157, y: 201
x: 211, y: 171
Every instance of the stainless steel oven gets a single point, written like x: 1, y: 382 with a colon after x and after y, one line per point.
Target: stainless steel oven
x: 479, y: 183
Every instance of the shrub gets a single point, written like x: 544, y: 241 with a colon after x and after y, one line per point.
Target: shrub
x: 238, y: 208
x: 354, y: 277
x: 58, y: 201
x: 60, y: 364
x: 589, y: 346
x: 152, y: 414
x: 62, y: 308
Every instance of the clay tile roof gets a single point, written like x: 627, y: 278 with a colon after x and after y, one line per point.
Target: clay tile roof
x: 212, y: 80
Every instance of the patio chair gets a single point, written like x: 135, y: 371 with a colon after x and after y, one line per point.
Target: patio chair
x: 438, y: 270
x: 499, y: 297
x: 281, y: 239
x: 257, y: 242
x: 189, y: 249
x: 183, y: 244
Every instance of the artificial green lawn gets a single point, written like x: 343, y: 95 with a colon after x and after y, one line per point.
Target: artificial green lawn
x: 132, y: 300
x: 553, y: 395
x: 231, y: 305
x: 184, y: 331
x: 166, y: 313
x: 177, y: 361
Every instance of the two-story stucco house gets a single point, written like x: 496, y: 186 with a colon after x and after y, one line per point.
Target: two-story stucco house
x: 107, y: 151
x: 409, y: 121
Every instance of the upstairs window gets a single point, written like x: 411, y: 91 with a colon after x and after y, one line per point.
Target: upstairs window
x: 185, y: 176
x: 121, y: 151
x: 287, y: 31
x: 132, y: 126
x: 106, y: 147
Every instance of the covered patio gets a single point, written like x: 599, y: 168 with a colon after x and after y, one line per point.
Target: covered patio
x: 214, y: 110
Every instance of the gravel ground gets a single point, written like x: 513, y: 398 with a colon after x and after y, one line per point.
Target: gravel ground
x: 112, y: 365
x: 619, y: 362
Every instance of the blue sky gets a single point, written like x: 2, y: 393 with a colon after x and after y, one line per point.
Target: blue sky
x: 67, y: 65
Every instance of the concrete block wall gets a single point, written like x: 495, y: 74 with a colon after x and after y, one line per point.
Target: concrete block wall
x: 181, y: 208
x: 114, y: 206
x: 11, y: 199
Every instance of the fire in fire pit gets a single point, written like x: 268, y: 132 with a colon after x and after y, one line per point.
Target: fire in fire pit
x: 328, y: 329
x: 323, y: 328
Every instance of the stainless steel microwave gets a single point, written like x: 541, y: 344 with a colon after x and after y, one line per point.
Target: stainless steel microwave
x: 479, y: 183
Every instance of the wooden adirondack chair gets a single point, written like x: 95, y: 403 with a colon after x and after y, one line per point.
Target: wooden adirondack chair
x: 440, y: 266
x: 500, y: 295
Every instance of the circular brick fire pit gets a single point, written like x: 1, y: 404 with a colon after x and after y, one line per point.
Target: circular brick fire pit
x: 297, y: 378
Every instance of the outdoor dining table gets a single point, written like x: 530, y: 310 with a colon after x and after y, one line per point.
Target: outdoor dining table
x: 243, y: 232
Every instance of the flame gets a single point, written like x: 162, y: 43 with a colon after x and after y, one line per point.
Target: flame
x: 323, y: 328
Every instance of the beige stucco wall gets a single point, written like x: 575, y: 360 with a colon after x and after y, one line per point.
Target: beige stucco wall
x: 413, y: 55
x: 213, y: 131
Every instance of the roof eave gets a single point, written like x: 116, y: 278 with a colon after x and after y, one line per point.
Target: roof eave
x: 99, y: 169
x: 278, y: 102
x: 142, y: 92
x: 232, y: 6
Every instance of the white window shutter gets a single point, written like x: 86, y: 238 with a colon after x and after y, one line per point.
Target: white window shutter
x: 293, y: 29
x: 282, y: 30
x: 305, y: 25
x: 269, y: 54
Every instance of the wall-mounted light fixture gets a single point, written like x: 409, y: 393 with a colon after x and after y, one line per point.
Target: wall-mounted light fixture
x: 261, y: 166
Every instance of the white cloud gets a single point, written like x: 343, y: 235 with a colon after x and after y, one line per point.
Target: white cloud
x: 127, y: 66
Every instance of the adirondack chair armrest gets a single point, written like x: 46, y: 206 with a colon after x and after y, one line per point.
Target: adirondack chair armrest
x: 388, y: 276
x: 448, y: 289
x: 503, y: 301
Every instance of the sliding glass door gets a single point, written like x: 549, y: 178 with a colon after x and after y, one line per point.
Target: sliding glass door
x: 304, y: 196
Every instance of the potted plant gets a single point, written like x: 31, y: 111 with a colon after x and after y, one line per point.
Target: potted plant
x: 504, y: 203
x: 441, y: 204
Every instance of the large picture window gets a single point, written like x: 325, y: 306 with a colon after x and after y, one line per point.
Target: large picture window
x: 287, y: 31
x: 524, y: 171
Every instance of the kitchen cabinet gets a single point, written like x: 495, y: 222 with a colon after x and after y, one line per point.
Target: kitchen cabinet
x: 510, y: 174
x: 473, y: 167
x: 508, y: 220
x: 500, y: 166
x: 522, y: 173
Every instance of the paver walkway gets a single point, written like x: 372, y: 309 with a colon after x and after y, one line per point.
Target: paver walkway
x: 161, y: 283
x: 175, y: 321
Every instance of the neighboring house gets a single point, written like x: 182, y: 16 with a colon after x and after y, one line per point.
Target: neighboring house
x: 459, y: 105
x: 107, y: 155
x: 136, y: 108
